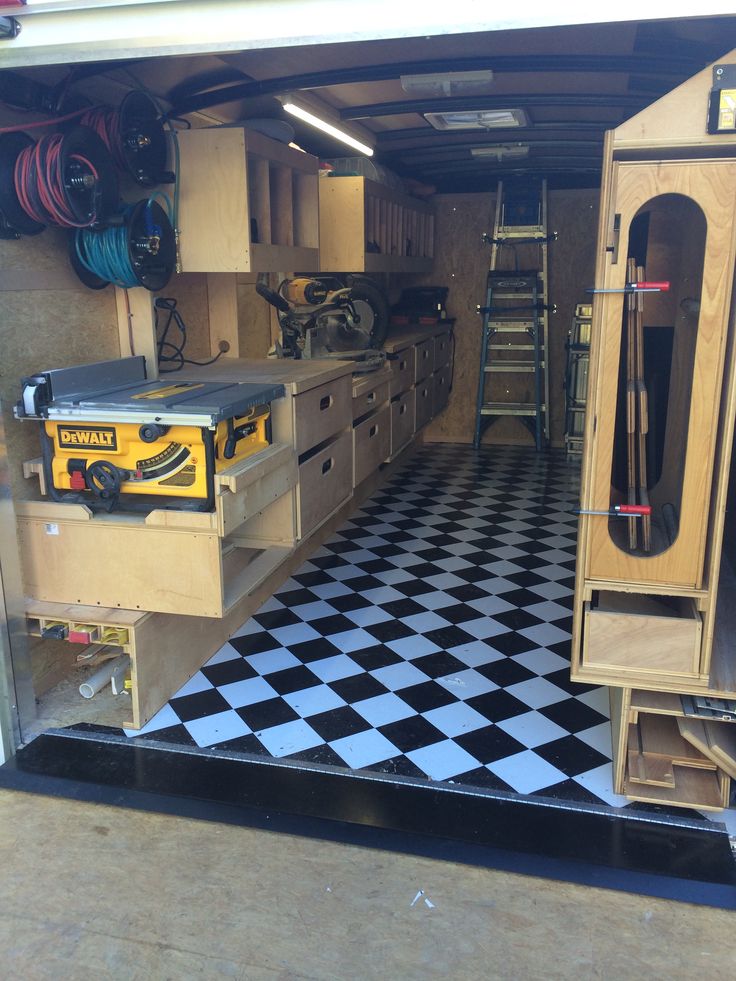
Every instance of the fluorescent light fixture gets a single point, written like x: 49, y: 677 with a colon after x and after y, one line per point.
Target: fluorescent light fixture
x: 502, y: 151
x: 448, y: 83
x: 478, y: 119
x: 325, y: 127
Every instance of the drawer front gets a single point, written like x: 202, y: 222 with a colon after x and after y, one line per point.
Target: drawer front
x: 642, y: 644
x: 424, y: 391
x: 402, y: 372
x: 440, y: 390
x: 442, y: 350
x: 322, y: 412
x: 403, y: 420
x: 371, y: 444
x: 371, y: 399
x: 80, y: 563
x: 325, y: 482
x: 424, y: 359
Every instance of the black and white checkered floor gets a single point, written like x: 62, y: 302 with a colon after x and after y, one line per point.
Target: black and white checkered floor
x: 429, y: 637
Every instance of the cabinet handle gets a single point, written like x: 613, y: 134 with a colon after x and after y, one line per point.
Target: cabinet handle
x: 372, y: 431
x: 325, y: 402
x: 615, y: 235
x: 371, y: 397
x: 402, y: 365
x: 402, y: 410
x: 327, y: 465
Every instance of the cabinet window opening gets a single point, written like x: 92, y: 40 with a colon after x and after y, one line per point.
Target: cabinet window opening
x: 659, y: 332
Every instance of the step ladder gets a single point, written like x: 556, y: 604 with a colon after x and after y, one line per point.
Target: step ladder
x: 515, y: 314
x: 576, y: 378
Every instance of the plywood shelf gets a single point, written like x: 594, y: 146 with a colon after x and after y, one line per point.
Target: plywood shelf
x: 247, y: 203
x: 366, y: 227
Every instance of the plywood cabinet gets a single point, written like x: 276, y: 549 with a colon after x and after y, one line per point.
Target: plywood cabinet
x: 247, y: 203
x: 420, y: 359
x: 366, y: 227
x: 688, y: 208
x: 655, y: 595
x: 662, y: 756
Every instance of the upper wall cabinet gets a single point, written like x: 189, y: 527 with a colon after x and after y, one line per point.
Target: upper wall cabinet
x: 247, y: 203
x: 366, y: 227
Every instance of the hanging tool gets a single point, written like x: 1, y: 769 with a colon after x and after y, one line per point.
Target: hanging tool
x: 642, y: 414
x: 620, y: 511
x: 635, y: 286
x: 631, y: 402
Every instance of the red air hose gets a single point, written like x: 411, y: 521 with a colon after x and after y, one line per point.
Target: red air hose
x: 40, y: 183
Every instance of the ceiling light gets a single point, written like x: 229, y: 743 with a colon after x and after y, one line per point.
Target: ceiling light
x: 448, y: 83
x: 502, y: 151
x: 478, y: 119
x: 325, y: 127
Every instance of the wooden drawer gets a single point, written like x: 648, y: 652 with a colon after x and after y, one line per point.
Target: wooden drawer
x: 321, y: 412
x: 403, y: 420
x: 372, y: 396
x: 371, y: 444
x: 440, y: 390
x: 167, y: 562
x: 325, y: 482
x: 442, y: 350
x: 424, y: 394
x: 402, y: 371
x: 635, y: 634
x: 424, y: 359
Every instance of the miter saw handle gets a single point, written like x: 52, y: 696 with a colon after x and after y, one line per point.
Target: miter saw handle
x: 273, y: 297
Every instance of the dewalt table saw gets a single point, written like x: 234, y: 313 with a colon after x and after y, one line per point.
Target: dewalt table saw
x: 108, y: 433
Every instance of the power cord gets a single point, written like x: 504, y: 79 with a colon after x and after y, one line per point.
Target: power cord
x: 170, y: 352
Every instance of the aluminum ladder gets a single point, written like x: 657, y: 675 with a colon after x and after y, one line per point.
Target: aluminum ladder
x: 514, y: 336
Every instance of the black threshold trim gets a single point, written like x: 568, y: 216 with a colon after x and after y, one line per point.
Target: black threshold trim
x: 650, y: 854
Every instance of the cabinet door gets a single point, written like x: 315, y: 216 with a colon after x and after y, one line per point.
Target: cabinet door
x: 677, y: 220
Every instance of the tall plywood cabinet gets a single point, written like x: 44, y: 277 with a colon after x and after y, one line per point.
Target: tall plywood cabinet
x: 653, y: 593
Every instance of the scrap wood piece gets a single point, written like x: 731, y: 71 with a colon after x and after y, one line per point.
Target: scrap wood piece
x: 717, y: 740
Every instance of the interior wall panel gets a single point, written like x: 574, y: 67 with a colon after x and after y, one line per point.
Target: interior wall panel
x: 461, y: 262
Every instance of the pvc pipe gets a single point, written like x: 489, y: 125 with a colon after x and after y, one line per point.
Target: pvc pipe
x: 97, y: 681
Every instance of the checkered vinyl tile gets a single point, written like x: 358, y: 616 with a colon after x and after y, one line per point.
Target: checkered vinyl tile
x: 429, y: 637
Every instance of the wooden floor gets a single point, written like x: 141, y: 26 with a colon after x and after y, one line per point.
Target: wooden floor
x: 97, y: 892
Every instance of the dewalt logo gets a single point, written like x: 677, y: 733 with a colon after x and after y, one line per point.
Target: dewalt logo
x: 94, y: 437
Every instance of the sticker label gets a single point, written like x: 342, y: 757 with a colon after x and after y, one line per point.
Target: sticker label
x: 51, y: 529
x: 97, y: 437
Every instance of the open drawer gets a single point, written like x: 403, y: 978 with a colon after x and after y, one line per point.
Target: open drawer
x: 633, y: 634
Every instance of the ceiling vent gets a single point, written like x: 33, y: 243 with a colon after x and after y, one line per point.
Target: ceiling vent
x: 478, y: 119
x: 448, y: 83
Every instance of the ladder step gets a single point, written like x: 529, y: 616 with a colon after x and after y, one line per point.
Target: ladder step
x: 521, y: 231
x: 516, y: 366
x: 510, y: 409
x: 510, y: 347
